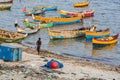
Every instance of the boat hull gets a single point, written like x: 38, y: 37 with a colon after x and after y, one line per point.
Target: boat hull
x: 40, y: 25
x: 89, y: 37
x: 97, y: 34
x: 62, y: 23
x: 103, y: 45
x: 5, y: 6
x: 52, y: 8
x: 11, y: 40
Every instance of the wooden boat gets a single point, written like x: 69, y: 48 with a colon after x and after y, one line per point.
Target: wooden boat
x: 26, y: 30
x: 105, y: 41
x: 8, y: 36
x: 6, y: 5
x: 58, y: 20
x: 97, y: 34
x: 74, y: 14
x: 88, y: 13
x: 61, y: 34
x: 81, y: 4
x: 47, y: 8
x: 6, y: 1
x: 30, y: 12
x: 28, y: 23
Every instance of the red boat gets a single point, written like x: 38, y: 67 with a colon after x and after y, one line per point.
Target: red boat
x: 6, y: 1
x: 73, y: 14
x: 88, y: 13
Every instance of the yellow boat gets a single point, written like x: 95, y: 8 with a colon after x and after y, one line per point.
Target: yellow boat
x: 57, y: 19
x: 81, y: 4
x: 97, y: 34
x: 100, y: 42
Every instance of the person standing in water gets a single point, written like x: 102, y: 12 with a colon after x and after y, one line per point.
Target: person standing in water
x: 38, y: 43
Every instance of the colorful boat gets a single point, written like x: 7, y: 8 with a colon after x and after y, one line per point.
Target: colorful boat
x: 30, y: 12
x: 61, y: 34
x: 81, y: 4
x: 26, y: 30
x: 105, y: 41
x: 74, y: 14
x: 6, y: 1
x: 28, y: 23
x: 97, y: 34
x: 10, y: 37
x: 58, y: 20
x: 6, y: 5
x: 88, y: 13
x: 47, y: 8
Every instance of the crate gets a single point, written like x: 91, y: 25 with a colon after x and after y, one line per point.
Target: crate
x: 10, y: 52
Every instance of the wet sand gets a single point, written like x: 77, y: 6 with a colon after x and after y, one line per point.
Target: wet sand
x: 32, y: 68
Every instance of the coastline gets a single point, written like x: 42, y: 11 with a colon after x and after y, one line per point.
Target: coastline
x: 31, y: 67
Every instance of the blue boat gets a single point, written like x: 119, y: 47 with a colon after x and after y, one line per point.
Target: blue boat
x: 51, y: 8
x: 97, y: 34
x: 46, y: 8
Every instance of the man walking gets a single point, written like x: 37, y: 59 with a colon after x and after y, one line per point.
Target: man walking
x: 38, y: 43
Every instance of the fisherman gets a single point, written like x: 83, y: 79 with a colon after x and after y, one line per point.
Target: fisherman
x: 16, y: 24
x: 38, y: 43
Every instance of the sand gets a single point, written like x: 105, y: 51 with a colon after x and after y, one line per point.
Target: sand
x: 32, y: 68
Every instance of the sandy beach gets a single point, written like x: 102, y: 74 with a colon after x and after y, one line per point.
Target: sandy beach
x: 32, y: 68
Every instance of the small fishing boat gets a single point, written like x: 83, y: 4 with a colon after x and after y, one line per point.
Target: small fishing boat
x: 11, y: 37
x: 97, y: 33
x: 74, y: 14
x: 26, y: 30
x: 58, y: 20
x: 62, y: 34
x: 51, y: 8
x: 28, y: 23
x: 88, y: 13
x: 6, y: 5
x: 105, y: 41
x: 30, y: 12
x: 6, y: 1
x: 47, y: 8
x: 81, y: 4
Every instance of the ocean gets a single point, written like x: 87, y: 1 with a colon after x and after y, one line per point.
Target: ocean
x: 106, y: 16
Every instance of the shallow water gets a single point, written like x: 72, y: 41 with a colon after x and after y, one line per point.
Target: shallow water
x: 106, y: 16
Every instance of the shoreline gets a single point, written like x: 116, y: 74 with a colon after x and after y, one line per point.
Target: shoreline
x: 74, y: 69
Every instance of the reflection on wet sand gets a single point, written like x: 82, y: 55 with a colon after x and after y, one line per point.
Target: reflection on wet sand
x: 96, y: 50
x: 63, y: 42
x: 87, y: 44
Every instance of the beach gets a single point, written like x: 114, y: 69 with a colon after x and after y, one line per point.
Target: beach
x: 32, y: 68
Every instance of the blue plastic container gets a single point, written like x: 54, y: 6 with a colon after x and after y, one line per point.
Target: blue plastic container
x: 10, y: 52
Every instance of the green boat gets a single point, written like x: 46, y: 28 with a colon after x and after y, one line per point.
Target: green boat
x: 11, y: 37
x: 28, y: 23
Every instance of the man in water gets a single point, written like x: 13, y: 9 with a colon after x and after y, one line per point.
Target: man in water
x: 38, y: 43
